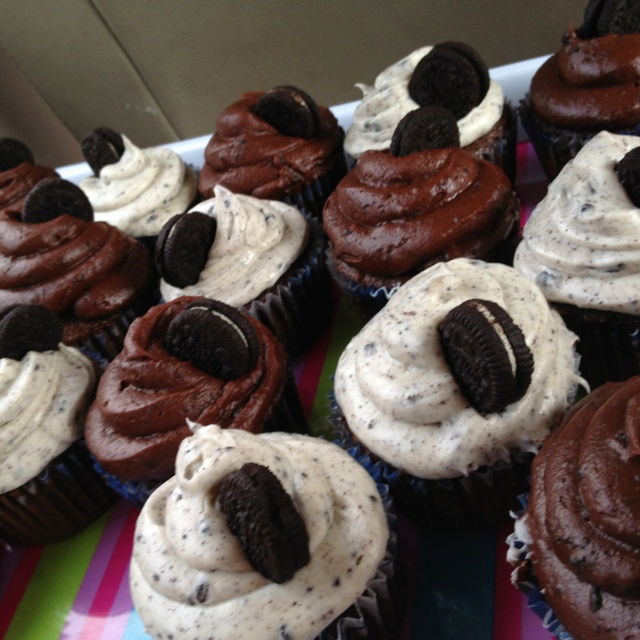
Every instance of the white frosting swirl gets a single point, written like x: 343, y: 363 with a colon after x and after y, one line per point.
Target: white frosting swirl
x: 581, y: 245
x: 189, y: 574
x: 402, y: 401
x: 385, y: 103
x: 43, y: 400
x: 256, y: 242
x: 141, y: 191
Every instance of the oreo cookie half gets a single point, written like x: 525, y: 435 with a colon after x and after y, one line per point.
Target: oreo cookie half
x: 487, y: 353
x: 628, y: 172
x: 53, y: 197
x: 290, y: 110
x: 425, y: 128
x: 101, y: 147
x: 215, y: 338
x: 620, y: 17
x: 264, y: 518
x: 28, y: 327
x: 13, y: 153
x: 182, y: 247
x: 451, y: 75
x: 589, y: 27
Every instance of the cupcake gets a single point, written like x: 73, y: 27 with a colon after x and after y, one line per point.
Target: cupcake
x: 262, y: 256
x: 93, y: 276
x: 136, y: 190
x: 190, y: 358
x: 19, y: 173
x: 581, y: 246
x: 454, y: 385
x: 576, y: 547
x: 278, y: 145
x: 48, y: 489
x: 589, y: 85
x: 424, y: 200
x: 451, y: 75
x: 272, y: 536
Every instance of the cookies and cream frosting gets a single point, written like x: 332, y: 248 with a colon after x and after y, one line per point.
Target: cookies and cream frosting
x: 142, y: 190
x: 189, y: 574
x: 581, y: 245
x: 385, y: 103
x: 43, y: 399
x: 401, y: 400
x: 255, y: 244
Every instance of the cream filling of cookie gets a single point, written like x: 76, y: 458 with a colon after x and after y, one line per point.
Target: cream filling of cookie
x: 141, y: 191
x: 581, y: 245
x: 43, y: 400
x: 385, y: 103
x: 189, y: 574
x: 506, y: 343
x: 401, y: 400
x: 256, y: 242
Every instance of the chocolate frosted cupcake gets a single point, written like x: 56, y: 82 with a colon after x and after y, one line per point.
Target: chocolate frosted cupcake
x: 93, y: 276
x: 19, y: 173
x: 277, y: 145
x: 577, y: 546
x: 454, y: 385
x: 48, y: 489
x: 262, y: 256
x: 136, y: 190
x: 423, y: 201
x: 581, y: 246
x: 189, y: 359
x: 451, y: 75
x: 589, y: 85
x: 285, y: 525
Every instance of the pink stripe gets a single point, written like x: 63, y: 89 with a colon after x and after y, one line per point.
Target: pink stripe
x: 118, y: 619
x: 532, y: 628
x: 109, y: 587
x: 507, y: 599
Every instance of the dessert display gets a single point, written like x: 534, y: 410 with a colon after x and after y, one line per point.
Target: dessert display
x: 285, y: 525
x: 577, y: 545
x: 279, y: 145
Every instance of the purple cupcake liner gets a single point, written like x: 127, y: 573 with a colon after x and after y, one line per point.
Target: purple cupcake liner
x: 62, y: 500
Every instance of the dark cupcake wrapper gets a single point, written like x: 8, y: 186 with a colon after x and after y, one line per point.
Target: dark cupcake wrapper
x: 556, y: 146
x: 62, y: 500
x: 484, y: 498
x: 288, y: 416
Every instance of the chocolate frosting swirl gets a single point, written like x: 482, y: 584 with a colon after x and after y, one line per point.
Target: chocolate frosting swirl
x: 16, y: 183
x: 138, y: 419
x: 250, y: 156
x: 394, y: 216
x: 583, y: 516
x: 87, y: 270
x: 590, y: 84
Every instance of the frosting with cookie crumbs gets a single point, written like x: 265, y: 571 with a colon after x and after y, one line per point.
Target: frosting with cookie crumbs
x: 142, y: 190
x: 189, y: 575
x: 401, y: 400
x: 581, y: 524
x: 581, y: 245
x: 256, y: 242
x: 16, y: 183
x: 43, y: 400
x: 385, y: 103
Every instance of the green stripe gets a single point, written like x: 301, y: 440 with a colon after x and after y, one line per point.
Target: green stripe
x: 346, y: 324
x: 52, y: 589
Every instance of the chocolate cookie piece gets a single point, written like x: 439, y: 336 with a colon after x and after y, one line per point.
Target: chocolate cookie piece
x: 182, y: 247
x: 264, y: 518
x: 628, y: 172
x: 290, y: 110
x: 53, y: 197
x: 620, y: 17
x: 28, y: 327
x: 487, y: 354
x: 448, y: 77
x: 425, y: 128
x: 101, y: 147
x: 13, y: 153
x: 476, y: 61
x: 589, y: 27
x: 215, y: 338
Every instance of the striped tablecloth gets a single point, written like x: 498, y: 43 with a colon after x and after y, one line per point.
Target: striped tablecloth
x: 458, y: 583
